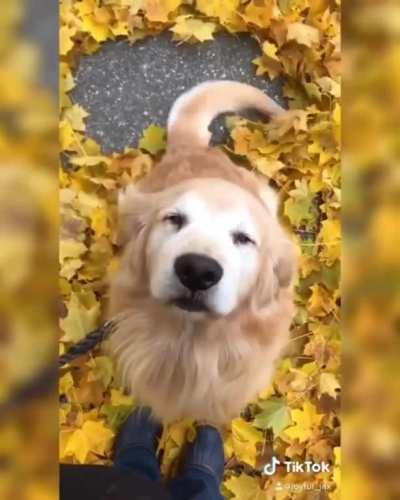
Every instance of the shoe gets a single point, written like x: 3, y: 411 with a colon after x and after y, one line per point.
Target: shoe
x: 206, y: 454
x: 139, y: 435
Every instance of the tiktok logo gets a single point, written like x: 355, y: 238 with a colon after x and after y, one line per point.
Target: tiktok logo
x: 270, y: 468
x: 296, y: 467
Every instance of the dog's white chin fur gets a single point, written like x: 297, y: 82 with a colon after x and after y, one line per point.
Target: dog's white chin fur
x: 182, y: 368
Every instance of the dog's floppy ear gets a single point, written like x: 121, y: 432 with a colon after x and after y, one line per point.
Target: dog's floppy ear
x: 285, y: 262
x: 134, y: 217
x: 279, y: 265
x: 270, y: 198
x: 265, y: 289
x: 131, y: 214
x: 284, y: 266
x: 278, y: 268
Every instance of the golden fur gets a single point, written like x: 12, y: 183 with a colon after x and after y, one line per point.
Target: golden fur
x: 208, y: 368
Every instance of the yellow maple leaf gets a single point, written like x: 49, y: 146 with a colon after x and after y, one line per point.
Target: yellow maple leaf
x: 66, y: 43
x: 99, y: 222
x: 75, y: 115
x: 120, y: 28
x: 64, y: 437
x: 67, y: 81
x: 84, y: 7
x: 329, y: 86
x: 101, y: 369
x: 66, y: 385
x: 268, y: 167
x: 245, y: 487
x: 67, y: 137
x: 259, y: 12
x: 270, y: 50
x: 63, y: 413
x: 172, y: 440
x: 308, y: 264
x: 153, y: 139
x: 71, y: 249
x: 81, y: 318
x: 315, y: 148
x: 243, y: 441
x: 328, y: 384
x: 303, y: 34
x: 223, y: 9
x: 103, y: 15
x: 178, y: 431
x: 92, y: 437
x: 337, y: 114
x: 300, y: 380
x: 87, y: 202
x: 119, y: 398
x: 70, y: 267
x: 321, y: 450
x: 267, y: 392
x: 89, y: 161
x: 267, y: 65
x: 305, y: 420
x: 187, y: 27
x: 77, y: 446
x: 330, y: 238
x: 320, y: 302
x: 98, y: 31
x: 318, y: 6
x: 159, y: 10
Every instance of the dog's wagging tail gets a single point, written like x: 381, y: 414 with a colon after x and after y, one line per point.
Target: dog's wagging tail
x: 193, y: 112
x: 204, y: 290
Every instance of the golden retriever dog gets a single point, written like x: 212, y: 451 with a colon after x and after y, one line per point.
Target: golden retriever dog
x: 203, y: 296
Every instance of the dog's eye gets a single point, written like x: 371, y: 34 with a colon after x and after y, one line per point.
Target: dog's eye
x: 240, y: 238
x: 177, y: 220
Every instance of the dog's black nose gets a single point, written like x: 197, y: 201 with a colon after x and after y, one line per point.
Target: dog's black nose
x: 197, y: 272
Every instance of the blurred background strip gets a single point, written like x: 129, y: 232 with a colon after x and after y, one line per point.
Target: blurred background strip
x: 371, y: 266
x: 28, y: 248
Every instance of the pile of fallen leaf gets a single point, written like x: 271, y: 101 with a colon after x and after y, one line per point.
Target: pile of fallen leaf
x: 297, y: 417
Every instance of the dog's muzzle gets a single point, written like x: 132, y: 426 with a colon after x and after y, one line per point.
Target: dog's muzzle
x: 197, y: 273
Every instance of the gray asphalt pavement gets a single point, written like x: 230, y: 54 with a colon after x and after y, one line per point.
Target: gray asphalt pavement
x: 127, y: 87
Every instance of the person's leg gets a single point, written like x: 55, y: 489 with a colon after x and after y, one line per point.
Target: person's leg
x: 137, y: 443
x: 203, y: 469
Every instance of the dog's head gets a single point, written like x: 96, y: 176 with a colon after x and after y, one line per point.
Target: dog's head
x: 204, y: 246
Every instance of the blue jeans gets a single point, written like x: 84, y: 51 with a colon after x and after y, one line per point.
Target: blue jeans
x: 195, y: 484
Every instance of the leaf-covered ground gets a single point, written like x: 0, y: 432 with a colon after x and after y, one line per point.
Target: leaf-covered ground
x: 297, y: 417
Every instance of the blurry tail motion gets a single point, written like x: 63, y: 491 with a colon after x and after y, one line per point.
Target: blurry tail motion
x: 193, y: 111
